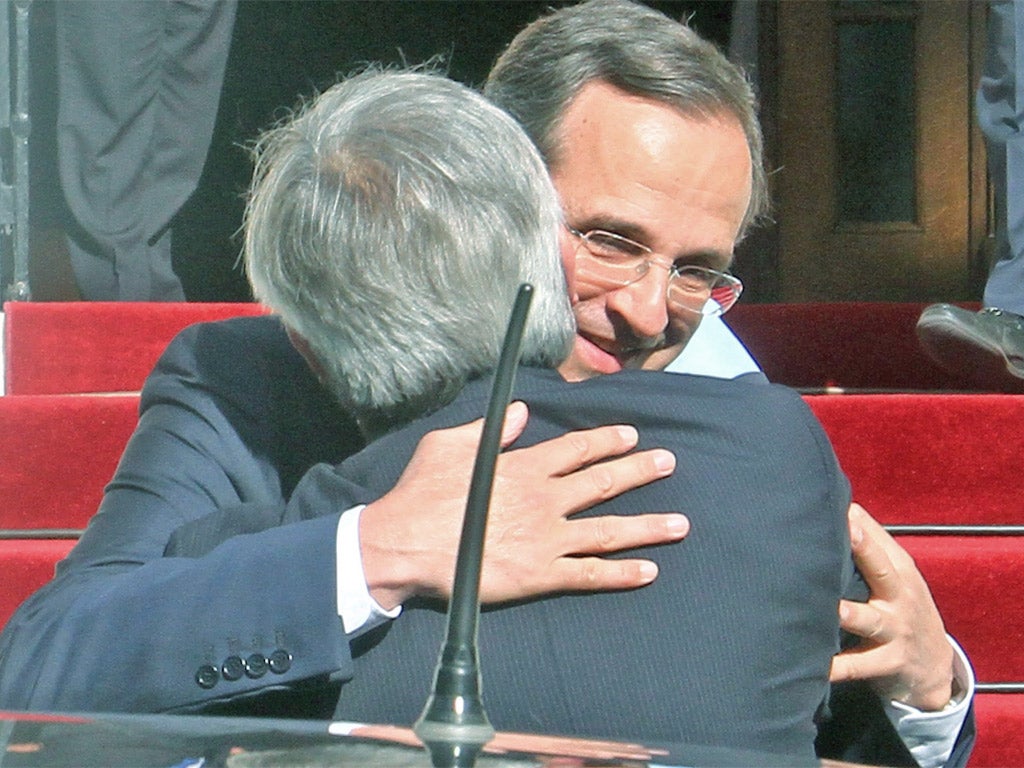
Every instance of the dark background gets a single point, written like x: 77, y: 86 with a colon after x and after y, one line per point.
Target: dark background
x: 283, y: 50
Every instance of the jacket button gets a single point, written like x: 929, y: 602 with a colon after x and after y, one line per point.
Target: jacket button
x: 233, y: 668
x: 280, y: 661
x: 255, y: 665
x: 207, y: 676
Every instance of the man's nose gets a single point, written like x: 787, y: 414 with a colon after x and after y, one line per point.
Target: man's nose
x: 643, y: 305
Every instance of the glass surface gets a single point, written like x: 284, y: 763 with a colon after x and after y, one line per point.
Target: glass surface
x: 875, y: 120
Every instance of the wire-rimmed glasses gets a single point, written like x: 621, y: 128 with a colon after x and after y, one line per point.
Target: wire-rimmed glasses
x: 608, y: 260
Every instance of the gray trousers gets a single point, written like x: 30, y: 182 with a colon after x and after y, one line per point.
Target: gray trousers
x: 139, y: 83
x: 1000, y: 101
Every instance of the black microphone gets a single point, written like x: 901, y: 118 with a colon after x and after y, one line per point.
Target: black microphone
x: 454, y: 726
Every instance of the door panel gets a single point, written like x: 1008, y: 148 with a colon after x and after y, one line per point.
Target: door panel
x: 880, y: 190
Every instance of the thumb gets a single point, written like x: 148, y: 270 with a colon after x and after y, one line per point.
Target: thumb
x: 516, y: 416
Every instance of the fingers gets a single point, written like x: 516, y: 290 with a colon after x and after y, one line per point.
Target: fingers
x: 863, y: 663
x: 871, y: 659
x: 590, y: 485
x: 534, y: 546
x: 515, y: 422
x: 580, y: 469
x: 594, y: 574
x: 613, y: 533
x: 520, y: 563
x: 862, y: 620
x: 516, y: 416
x: 904, y: 651
x: 569, y: 452
x: 871, y: 556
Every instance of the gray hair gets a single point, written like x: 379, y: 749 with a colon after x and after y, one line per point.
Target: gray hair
x: 390, y: 223
x: 634, y: 48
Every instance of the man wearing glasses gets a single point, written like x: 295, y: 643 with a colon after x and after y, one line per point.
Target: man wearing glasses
x: 654, y: 147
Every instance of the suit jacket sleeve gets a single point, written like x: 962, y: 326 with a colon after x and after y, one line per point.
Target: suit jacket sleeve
x: 858, y: 731
x: 124, y: 628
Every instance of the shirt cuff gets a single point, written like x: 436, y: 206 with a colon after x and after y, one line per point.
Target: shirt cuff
x: 358, y: 610
x: 931, y: 736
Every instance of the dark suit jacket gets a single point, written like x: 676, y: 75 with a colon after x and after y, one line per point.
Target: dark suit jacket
x: 730, y: 646
x: 231, y: 420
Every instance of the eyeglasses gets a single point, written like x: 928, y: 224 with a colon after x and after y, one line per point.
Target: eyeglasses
x: 608, y: 260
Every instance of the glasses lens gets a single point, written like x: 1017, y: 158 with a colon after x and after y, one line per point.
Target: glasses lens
x: 603, y: 258
x: 703, y: 290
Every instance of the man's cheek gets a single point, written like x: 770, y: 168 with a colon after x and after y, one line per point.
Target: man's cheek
x: 568, y: 252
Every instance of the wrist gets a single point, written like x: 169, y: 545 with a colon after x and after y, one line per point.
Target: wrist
x: 395, y: 563
x: 960, y: 686
x: 935, y: 699
x: 358, y: 610
x: 935, y: 694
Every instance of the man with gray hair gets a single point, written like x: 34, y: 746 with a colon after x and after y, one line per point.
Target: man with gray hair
x: 390, y: 226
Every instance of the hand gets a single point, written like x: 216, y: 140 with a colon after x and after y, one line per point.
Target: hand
x: 409, y: 537
x: 904, y: 651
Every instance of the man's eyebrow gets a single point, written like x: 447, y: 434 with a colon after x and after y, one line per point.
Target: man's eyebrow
x: 705, y: 258
x: 616, y: 226
x: 713, y: 259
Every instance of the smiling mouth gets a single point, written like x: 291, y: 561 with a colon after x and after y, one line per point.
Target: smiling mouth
x: 609, y: 360
x: 597, y: 357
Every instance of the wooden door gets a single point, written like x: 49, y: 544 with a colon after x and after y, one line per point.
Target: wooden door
x: 880, y: 185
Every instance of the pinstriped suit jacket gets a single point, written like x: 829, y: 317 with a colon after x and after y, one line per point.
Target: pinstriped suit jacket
x: 730, y: 646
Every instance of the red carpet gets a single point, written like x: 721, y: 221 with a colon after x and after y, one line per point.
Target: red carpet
x: 851, y: 345
x: 941, y: 459
x: 60, y: 347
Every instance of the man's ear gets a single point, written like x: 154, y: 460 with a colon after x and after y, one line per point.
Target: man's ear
x: 303, y: 348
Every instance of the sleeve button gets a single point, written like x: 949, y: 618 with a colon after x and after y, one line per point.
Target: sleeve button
x: 280, y: 661
x: 233, y: 668
x: 207, y: 676
x: 255, y: 665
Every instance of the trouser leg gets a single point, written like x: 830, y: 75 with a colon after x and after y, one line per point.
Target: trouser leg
x: 139, y: 84
x: 999, y: 103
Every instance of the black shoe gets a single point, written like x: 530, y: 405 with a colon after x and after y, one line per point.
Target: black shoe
x: 986, y: 347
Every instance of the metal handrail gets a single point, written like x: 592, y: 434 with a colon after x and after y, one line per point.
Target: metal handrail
x: 14, y: 192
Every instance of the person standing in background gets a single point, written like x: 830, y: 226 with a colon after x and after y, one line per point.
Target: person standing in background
x: 138, y: 89
x: 989, y: 344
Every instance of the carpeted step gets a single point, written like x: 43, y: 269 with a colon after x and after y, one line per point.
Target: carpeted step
x: 110, y: 346
x: 1000, y: 720
x: 936, y: 459
x: 977, y: 582
x: 57, y: 453
x: 62, y: 347
x: 848, y: 345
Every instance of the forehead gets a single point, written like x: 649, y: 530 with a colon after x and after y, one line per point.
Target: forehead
x: 678, y: 183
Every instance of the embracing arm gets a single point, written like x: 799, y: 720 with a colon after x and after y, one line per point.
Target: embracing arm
x: 171, y: 633
x: 904, y: 660
x: 125, y: 627
x: 533, y: 547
